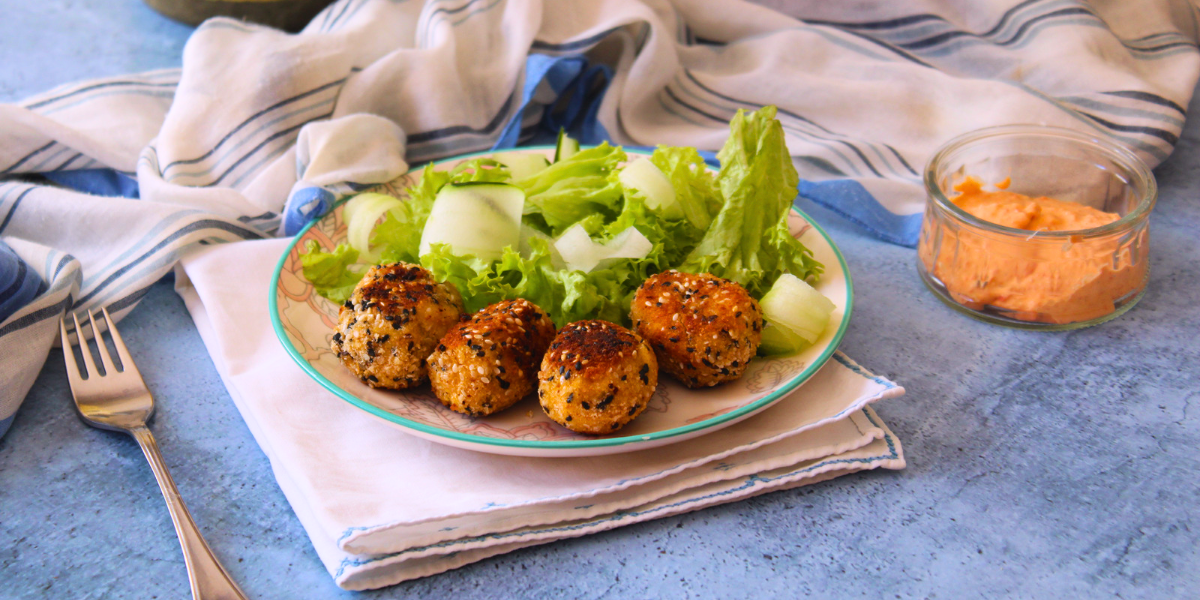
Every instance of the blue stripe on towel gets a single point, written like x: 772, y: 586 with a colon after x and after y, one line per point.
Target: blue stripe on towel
x: 19, y: 284
x: 98, y: 182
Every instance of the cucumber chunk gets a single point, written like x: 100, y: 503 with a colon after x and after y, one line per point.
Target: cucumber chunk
x: 361, y: 214
x: 522, y: 164
x: 479, y: 219
x: 645, y: 178
x: 566, y: 147
x: 796, y: 314
x: 581, y: 253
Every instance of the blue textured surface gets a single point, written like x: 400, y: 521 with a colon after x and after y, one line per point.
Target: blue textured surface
x: 1041, y: 465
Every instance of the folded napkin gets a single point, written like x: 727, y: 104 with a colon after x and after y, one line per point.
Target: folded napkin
x: 382, y: 506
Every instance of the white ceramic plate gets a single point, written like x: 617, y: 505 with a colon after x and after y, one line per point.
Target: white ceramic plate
x: 304, y: 323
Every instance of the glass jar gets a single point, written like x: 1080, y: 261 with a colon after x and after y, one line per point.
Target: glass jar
x: 1038, y: 279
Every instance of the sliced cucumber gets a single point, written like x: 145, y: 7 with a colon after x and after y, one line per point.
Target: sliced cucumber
x: 780, y: 340
x: 566, y: 147
x: 796, y: 315
x: 581, y: 253
x: 478, y: 219
x: 361, y: 214
x: 645, y: 178
x: 522, y: 164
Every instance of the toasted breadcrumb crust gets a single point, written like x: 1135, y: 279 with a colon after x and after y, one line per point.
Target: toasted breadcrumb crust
x: 704, y: 329
x: 596, y: 377
x: 489, y: 362
x: 393, y: 319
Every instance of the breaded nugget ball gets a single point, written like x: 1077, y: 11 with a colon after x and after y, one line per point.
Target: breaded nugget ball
x: 391, y: 323
x: 703, y: 329
x: 596, y: 377
x: 488, y: 363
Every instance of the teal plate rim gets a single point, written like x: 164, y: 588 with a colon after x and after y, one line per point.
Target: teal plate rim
x: 763, y: 402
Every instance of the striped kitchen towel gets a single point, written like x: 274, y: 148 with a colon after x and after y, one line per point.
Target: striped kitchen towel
x: 260, y: 130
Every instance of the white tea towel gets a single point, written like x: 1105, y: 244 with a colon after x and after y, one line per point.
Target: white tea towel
x: 866, y: 91
x: 383, y: 506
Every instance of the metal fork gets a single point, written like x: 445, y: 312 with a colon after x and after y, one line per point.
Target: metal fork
x: 118, y: 400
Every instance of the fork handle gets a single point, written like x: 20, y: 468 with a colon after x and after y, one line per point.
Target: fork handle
x: 209, y: 579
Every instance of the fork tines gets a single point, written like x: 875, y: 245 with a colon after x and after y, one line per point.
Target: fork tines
x: 110, y: 367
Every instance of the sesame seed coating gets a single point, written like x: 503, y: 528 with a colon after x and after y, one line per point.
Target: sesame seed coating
x: 704, y: 329
x: 596, y: 377
x: 489, y: 362
x: 391, y: 322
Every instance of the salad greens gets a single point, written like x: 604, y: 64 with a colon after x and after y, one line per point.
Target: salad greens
x: 732, y: 224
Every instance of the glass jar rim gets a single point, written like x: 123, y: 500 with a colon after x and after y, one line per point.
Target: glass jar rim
x: 1137, y: 169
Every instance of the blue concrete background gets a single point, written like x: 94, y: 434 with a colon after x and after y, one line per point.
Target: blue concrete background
x: 1041, y: 465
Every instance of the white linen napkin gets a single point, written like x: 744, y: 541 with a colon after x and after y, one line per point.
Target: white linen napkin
x: 382, y: 506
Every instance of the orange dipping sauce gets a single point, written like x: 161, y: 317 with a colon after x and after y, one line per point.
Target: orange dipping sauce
x: 1031, y: 279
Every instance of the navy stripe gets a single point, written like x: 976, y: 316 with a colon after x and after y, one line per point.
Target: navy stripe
x: 270, y: 139
x: 29, y: 156
x: 35, y: 316
x: 917, y: 18
x: 890, y: 48
x: 793, y: 115
x: 574, y: 45
x: 78, y: 155
x: 876, y: 25
x: 1021, y: 31
x: 266, y: 215
x: 720, y: 119
x: 1147, y: 97
x: 328, y: 13
x: 13, y: 210
x: 499, y: 119
x: 198, y: 225
x: 429, y: 23
x: 346, y: 6
x: 130, y: 299
x: 66, y: 260
x: 97, y: 86
x: 17, y: 283
x: 251, y: 118
x: 1162, y: 47
x: 1162, y: 134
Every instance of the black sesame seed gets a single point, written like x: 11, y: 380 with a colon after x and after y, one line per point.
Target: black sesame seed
x: 503, y: 384
x: 568, y: 417
x: 586, y: 405
x: 337, y: 338
x: 674, y: 340
x: 373, y: 378
x: 349, y: 305
x: 441, y: 347
x: 605, y: 402
x: 570, y: 397
x: 643, y: 372
x: 383, y: 338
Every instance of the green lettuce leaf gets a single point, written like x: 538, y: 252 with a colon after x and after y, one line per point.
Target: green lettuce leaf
x: 695, y: 186
x: 331, y: 273
x: 572, y: 189
x: 748, y: 241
